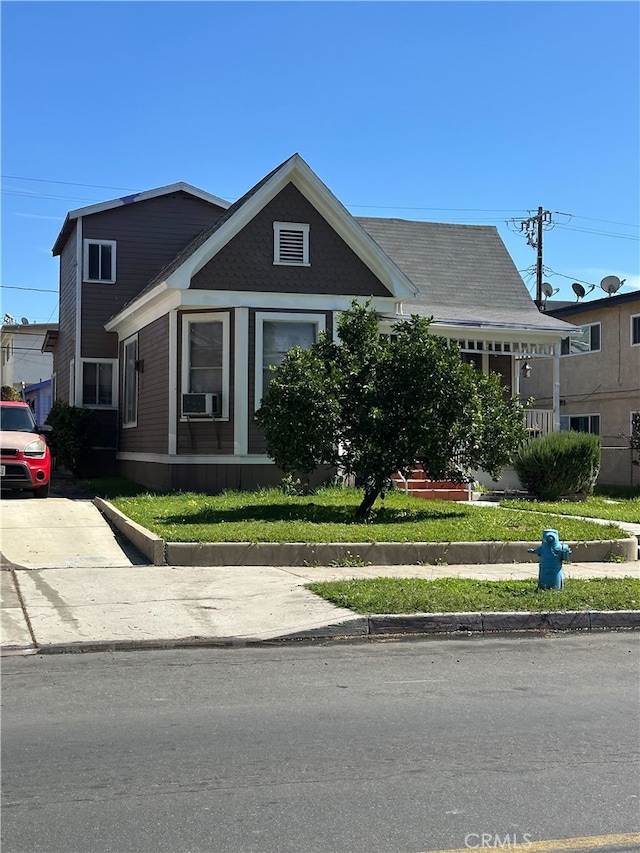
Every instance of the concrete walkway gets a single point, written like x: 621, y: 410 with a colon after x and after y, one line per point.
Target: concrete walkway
x: 69, y: 582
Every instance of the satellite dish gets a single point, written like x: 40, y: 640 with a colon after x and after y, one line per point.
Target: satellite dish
x: 24, y: 321
x: 610, y: 284
x: 578, y: 289
x: 547, y: 289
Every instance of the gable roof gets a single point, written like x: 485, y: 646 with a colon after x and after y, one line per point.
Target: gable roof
x: 464, y: 274
x: 202, y: 249
x: 181, y: 186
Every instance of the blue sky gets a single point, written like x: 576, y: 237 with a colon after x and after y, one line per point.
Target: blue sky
x: 455, y: 112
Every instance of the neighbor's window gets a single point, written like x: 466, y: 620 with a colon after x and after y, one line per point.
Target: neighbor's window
x: 130, y: 383
x: 291, y: 244
x: 585, y: 423
x: 98, y: 383
x: 635, y: 330
x: 586, y: 339
x: 276, y: 334
x: 100, y: 261
x: 205, y: 358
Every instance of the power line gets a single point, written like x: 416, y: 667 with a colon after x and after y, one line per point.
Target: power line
x: 34, y: 289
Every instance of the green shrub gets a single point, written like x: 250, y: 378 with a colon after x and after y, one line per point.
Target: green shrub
x: 561, y: 464
x: 72, y: 436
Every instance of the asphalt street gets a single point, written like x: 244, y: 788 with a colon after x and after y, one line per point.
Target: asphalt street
x: 326, y: 748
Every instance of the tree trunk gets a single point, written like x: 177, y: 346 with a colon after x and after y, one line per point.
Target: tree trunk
x: 371, y: 492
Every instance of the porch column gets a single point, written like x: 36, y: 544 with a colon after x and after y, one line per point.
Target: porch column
x: 556, y: 387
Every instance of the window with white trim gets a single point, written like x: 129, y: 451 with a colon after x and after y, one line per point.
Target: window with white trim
x: 582, y: 423
x: 585, y: 339
x: 635, y: 330
x: 99, y: 382
x: 276, y: 334
x: 291, y: 244
x: 130, y: 382
x: 205, y: 365
x: 100, y: 261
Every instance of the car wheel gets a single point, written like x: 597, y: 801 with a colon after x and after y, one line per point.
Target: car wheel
x: 42, y: 491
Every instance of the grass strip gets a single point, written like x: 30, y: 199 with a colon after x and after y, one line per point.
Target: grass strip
x: 461, y: 595
x: 613, y: 509
x: 328, y: 516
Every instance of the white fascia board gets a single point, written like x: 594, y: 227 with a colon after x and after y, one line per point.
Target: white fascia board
x: 141, y: 314
x: 297, y: 172
x: 181, y: 186
x: 495, y: 333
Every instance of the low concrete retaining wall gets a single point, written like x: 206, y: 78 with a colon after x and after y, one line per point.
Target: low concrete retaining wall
x: 162, y: 553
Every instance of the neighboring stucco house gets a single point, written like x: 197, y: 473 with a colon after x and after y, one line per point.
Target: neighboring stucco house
x: 173, y: 305
x: 599, y: 378
x: 21, y: 356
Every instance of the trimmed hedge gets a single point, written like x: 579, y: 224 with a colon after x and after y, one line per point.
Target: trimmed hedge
x: 559, y: 465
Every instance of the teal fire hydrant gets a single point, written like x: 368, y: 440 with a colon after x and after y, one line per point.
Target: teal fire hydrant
x: 551, y: 552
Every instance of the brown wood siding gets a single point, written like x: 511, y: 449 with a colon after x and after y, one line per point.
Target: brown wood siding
x: 151, y: 433
x: 206, y: 436
x: 246, y: 262
x: 257, y: 443
x: 148, y: 235
x: 65, y: 345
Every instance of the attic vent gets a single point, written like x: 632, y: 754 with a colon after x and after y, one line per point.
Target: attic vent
x: 291, y: 243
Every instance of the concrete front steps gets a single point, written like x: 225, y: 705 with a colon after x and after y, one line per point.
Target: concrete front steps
x: 420, y: 486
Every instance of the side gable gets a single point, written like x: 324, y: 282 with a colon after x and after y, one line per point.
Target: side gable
x: 246, y: 261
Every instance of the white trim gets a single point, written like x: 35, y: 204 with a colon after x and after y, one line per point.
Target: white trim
x: 631, y: 341
x: 161, y: 300
x: 278, y: 228
x: 180, y: 186
x: 211, y: 317
x: 241, y: 382
x: 77, y: 389
x: 171, y: 459
x: 172, y: 442
x: 72, y: 382
x: 134, y: 423
x: 114, y: 383
x: 319, y: 320
x: 90, y: 241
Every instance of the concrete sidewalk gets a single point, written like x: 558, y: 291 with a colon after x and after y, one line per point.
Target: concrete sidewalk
x: 70, y: 582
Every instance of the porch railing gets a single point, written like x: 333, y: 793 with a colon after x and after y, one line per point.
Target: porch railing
x: 539, y: 421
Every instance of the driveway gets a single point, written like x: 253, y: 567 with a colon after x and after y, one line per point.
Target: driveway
x: 61, y: 533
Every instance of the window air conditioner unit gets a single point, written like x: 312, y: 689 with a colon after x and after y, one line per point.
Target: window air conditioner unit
x: 200, y: 405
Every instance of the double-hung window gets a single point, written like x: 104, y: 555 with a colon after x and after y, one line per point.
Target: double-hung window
x: 205, y: 365
x: 100, y: 261
x: 276, y: 334
x: 291, y: 244
x: 585, y: 339
x: 98, y: 382
x: 130, y: 383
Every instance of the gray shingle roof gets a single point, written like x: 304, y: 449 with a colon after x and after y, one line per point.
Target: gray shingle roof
x: 464, y: 273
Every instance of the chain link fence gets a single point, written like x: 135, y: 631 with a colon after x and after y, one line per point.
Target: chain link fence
x: 617, y: 458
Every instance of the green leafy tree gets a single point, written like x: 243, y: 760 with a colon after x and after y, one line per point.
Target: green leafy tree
x: 372, y: 405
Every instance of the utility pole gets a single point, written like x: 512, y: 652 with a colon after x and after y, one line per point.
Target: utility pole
x: 533, y: 227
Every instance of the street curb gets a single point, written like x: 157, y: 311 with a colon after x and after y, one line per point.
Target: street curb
x: 161, y: 553
x: 373, y: 627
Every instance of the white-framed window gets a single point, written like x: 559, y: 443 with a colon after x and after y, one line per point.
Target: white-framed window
x: 130, y: 382
x: 99, y: 383
x: 276, y: 334
x: 585, y: 339
x: 581, y: 423
x: 100, y: 261
x: 291, y: 244
x: 205, y: 365
x: 635, y: 330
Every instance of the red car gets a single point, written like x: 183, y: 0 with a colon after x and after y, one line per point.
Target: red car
x: 25, y: 459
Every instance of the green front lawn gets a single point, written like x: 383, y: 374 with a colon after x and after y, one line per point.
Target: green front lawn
x: 327, y: 516
x: 597, y: 506
x: 458, y: 595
